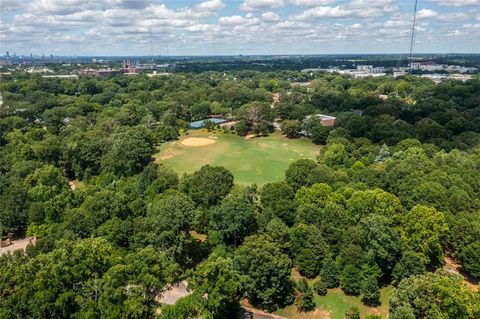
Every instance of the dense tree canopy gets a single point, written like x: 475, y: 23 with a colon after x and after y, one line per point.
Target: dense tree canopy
x: 393, y: 191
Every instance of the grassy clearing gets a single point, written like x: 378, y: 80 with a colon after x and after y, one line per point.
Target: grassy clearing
x: 336, y: 303
x: 258, y: 160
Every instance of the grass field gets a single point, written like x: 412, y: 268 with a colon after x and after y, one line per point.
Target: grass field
x: 258, y: 160
x: 336, y: 303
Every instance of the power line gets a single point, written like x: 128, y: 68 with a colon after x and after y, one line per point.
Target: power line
x: 412, y: 39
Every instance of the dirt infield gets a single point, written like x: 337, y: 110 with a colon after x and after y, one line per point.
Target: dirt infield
x: 197, y: 141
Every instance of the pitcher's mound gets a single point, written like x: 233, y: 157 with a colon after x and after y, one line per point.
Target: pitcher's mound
x: 197, y: 141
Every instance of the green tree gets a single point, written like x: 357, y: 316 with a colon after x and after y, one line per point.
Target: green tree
x: 377, y: 201
x: 470, y: 257
x: 410, y: 264
x: 209, y: 185
x: 131, y: 151
x: 314, y: 128
x: 308, y: 249
x: 291, y: 128
x: 188, y: 307
x: 319, y: 194
x: 233, y: 220
x: 380, y: 241
x: 277, y: 200
x: 320, y: 287
x: 305, y: 300
x: 403, y: 313
x: 217, y: 279
x: 299, y: 173
x: 352, y: 313
x: 423, y: 229
x: 266, y: 272
x: 334, y: 155
x: 434, y: 295
x: 87, y: 278
x: 383, y: 154
x: 351, y: 280
x: 156, y: 179
x: 370, y: 291
x: 329, y: 273
x: 167, y: 224
x: 278, y: 232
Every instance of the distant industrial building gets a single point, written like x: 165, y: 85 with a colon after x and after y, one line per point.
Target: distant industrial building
x: 431, y: 66
x: 61, y: 76
x: 128, y: 68
x: 362, y: 71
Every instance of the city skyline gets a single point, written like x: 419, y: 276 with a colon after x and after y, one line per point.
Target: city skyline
x: 250, y: 27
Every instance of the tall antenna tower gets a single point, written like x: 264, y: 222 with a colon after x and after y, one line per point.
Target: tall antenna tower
x: 412, y: 39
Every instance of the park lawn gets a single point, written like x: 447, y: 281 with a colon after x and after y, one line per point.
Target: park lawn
x: 258, y: 160
x: 336, y: 303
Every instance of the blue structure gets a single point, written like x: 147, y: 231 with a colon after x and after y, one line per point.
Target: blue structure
x: 199, y: 124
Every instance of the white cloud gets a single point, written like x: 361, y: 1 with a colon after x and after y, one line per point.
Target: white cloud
x: 353, y: 9
x: 258, y: 5
x: 456, y: 3
x: 123, y: 26
x: 311, y: 3
x: 211, y: 5
x: 11, y: 5
x: 426, y: 13
x: 238, y: 20
x: 202, y: 27
x: 270, y: 17
x: 63, y: 7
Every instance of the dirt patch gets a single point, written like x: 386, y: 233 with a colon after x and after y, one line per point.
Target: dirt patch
x: 452, y: 266
x: 16, y: 245
x: 197, y: 141
x: 165, y: 155
x: 250, y: 136
x: 173, y: 293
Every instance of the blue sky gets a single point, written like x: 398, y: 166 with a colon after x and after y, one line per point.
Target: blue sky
x: 188, y: 27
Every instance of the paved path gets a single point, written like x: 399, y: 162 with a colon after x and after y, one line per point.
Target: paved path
x: 16, y: 245
x: 248, y: 313
x: 175, y: 292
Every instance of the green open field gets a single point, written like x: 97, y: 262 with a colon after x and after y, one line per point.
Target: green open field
x: 335, y: 303
x: 257, y: 160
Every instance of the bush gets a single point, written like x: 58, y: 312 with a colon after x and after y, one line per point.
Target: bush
x: 302, y: 285
x: 305, y: 299
x: 352, y: 313
x: 320, y: 288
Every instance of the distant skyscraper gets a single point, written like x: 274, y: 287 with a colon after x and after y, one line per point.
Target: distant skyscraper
x: 8, y: 54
